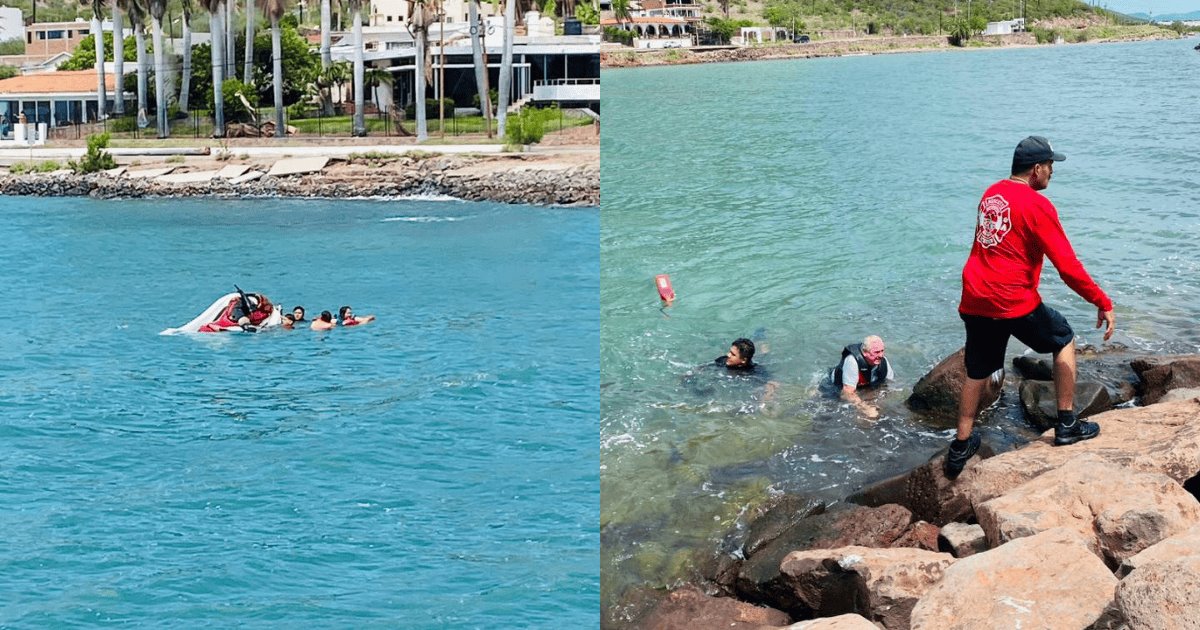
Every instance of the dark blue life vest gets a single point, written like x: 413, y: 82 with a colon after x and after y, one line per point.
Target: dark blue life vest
x: 868, y: 375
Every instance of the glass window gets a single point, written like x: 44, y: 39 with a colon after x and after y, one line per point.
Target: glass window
x: 55, y: 35
x: 41, y: 35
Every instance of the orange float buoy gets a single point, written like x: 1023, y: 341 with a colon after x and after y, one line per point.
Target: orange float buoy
x: 665, y: 292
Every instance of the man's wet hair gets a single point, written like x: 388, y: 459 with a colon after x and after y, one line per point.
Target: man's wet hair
x: 745, y: 348
x: 326, y: 316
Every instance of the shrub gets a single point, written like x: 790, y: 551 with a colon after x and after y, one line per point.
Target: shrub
x: 618, y: 35
x: 431, y: 109
x: 96, y: 158
x: 528, y: 126
x: 123, y: 124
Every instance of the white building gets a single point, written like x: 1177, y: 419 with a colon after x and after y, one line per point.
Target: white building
x: 384, y: 12
x: 1006, y: 27
x: 12, y: 25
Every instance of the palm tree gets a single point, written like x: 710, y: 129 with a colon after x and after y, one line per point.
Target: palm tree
x: 621, y: 10
x: 118, y: 22
x: 230, y: 40
x: 185, y: 82
x: 506, y: 67
x: 137, y: 18
x: 360, y: 127
x: 157, y: 9
x: 249, y: 63
x: 215, y: 10
x: 98, y: 34
x: 274, y: 9
x: 419, y: 18
x: 481, y: 74
x: 326, y: 27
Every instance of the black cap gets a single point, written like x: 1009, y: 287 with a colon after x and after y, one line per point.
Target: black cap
x: 1033, y: 150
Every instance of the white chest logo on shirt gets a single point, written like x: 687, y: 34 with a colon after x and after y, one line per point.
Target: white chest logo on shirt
x: 994, y: 221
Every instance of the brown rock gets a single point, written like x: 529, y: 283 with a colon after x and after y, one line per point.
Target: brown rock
x: 1161, y: 438
x: 1182, y: 544
x: 758, y: 580
x: 1162, y: 596
x: 926, y: 492
x: 1159, y: 375
x: 938, y: 391
x: 1181, y: 394
x: 1049, y: 580
x: 1120, y: 511
x: 840, y: 622
x: 919, y: 535
x: 690, y: 609
x: 962, y: 540
x: 1041, y: 404
x: 1033, y: 367
x: 882, y: 585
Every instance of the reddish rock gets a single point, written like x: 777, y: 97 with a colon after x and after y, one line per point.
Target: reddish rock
x: 1162, y: 596
x: 1159, y: 375
x: 690, y: 609
x: 919, y: 535
x: 1050, y: 580
x: 937, y: 392
x: 1183, y: 544
x: 879, y: 584
x: 1119, y: 511
x: 758, y: 580
x: 962, y: 540
x: 840, y: 622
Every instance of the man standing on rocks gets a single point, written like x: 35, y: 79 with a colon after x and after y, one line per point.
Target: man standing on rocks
x: 1016, y: 228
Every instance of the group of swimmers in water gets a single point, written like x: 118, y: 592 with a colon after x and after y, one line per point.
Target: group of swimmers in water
x: 325, y: 321
x: 250, y: 311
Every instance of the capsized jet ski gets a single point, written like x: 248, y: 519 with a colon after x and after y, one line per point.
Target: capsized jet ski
x: 224, y: 314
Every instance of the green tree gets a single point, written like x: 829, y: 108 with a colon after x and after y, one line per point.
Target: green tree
x: 8, y: 72
x: 784, y: 13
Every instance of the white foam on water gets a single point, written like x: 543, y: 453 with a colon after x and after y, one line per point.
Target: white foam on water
x: 424, y: 219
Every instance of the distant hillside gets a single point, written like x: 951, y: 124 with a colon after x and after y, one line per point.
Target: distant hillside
x: 1168, y: 17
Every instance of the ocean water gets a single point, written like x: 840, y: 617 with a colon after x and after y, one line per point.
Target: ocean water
x: 434, y: 469
x: 808, y: 203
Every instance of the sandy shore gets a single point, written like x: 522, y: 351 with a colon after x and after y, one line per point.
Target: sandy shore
x: 563, y: 170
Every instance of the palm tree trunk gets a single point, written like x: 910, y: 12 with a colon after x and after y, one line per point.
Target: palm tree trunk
x: 246, y: 76
x: 230, y: 40
x: 218, y: 71
x: 118, y: 22
x: 277, y: 70
x: 101, y: 92
x: 326, y: 26
x: 419, y: 75
x: 506, y: 66
x: 481, y: 74
x: 160, y: 92
x: 139, y: 33
x: 360, y: 127
x: 185, y: 82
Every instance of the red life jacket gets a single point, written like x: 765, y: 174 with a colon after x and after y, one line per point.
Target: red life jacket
x: 350, y: 321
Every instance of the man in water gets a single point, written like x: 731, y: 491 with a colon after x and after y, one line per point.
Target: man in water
x: 323, y: 322
x: 863, y: 367
x: 1016, y: 228
x: 739, y: 363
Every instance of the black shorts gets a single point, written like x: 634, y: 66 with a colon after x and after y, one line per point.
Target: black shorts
x: 1044, y: 330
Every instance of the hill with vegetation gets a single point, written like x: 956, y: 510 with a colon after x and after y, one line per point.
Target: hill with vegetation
x: 911, y: 17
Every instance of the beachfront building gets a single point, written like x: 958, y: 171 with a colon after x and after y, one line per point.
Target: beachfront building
x: 384, y: 12
x: 1005, y: 27
x: 655, y: 31
x: 55, y: 98
x: 547, y: 68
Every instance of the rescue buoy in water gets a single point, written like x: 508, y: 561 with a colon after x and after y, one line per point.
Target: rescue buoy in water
x: 665, y: 292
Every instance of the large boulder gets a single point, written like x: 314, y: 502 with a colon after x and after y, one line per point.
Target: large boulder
x: 1162, y: 438
x: 937, y: 392
x: 690, y: 609
x: 1159, y: 375
x: 1162, y: 596
x: 757, y: 579
x: 879, y: 584
x: 1050, y: 580
x: 1182, y: 393
x: 926, y: 491
x: 1120, y: 511
x: 1183, y: 544
x: 1041, y: 403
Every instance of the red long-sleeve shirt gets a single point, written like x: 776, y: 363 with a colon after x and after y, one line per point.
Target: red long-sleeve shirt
x: 1016, y: 228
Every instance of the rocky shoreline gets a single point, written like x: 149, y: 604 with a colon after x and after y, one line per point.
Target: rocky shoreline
x: 1103, y: 534
x: 543, y: 180
x: 873, y: 45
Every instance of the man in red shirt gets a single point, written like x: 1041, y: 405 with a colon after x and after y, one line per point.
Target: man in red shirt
x: 1017, y: 227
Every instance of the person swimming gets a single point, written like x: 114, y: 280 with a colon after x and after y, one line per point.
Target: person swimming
x: 346, y: 315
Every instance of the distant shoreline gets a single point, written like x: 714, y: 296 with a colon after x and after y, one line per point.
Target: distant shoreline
x: 612, y: 59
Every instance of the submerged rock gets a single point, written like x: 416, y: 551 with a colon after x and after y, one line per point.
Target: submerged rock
x: 937, y: 392
x: 690, y: 609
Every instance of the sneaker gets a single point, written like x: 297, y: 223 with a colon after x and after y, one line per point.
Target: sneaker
x: 1076, y: 432
x: 956, y: 460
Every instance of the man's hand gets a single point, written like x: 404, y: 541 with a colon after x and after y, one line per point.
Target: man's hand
x: 1108, y: 320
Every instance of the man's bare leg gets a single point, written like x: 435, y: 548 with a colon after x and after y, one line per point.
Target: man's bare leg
x: 1064, y: 377
x: 968, y: 404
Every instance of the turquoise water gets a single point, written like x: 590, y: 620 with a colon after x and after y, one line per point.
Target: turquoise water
x: 823, y: 200
x: 434, y: 469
